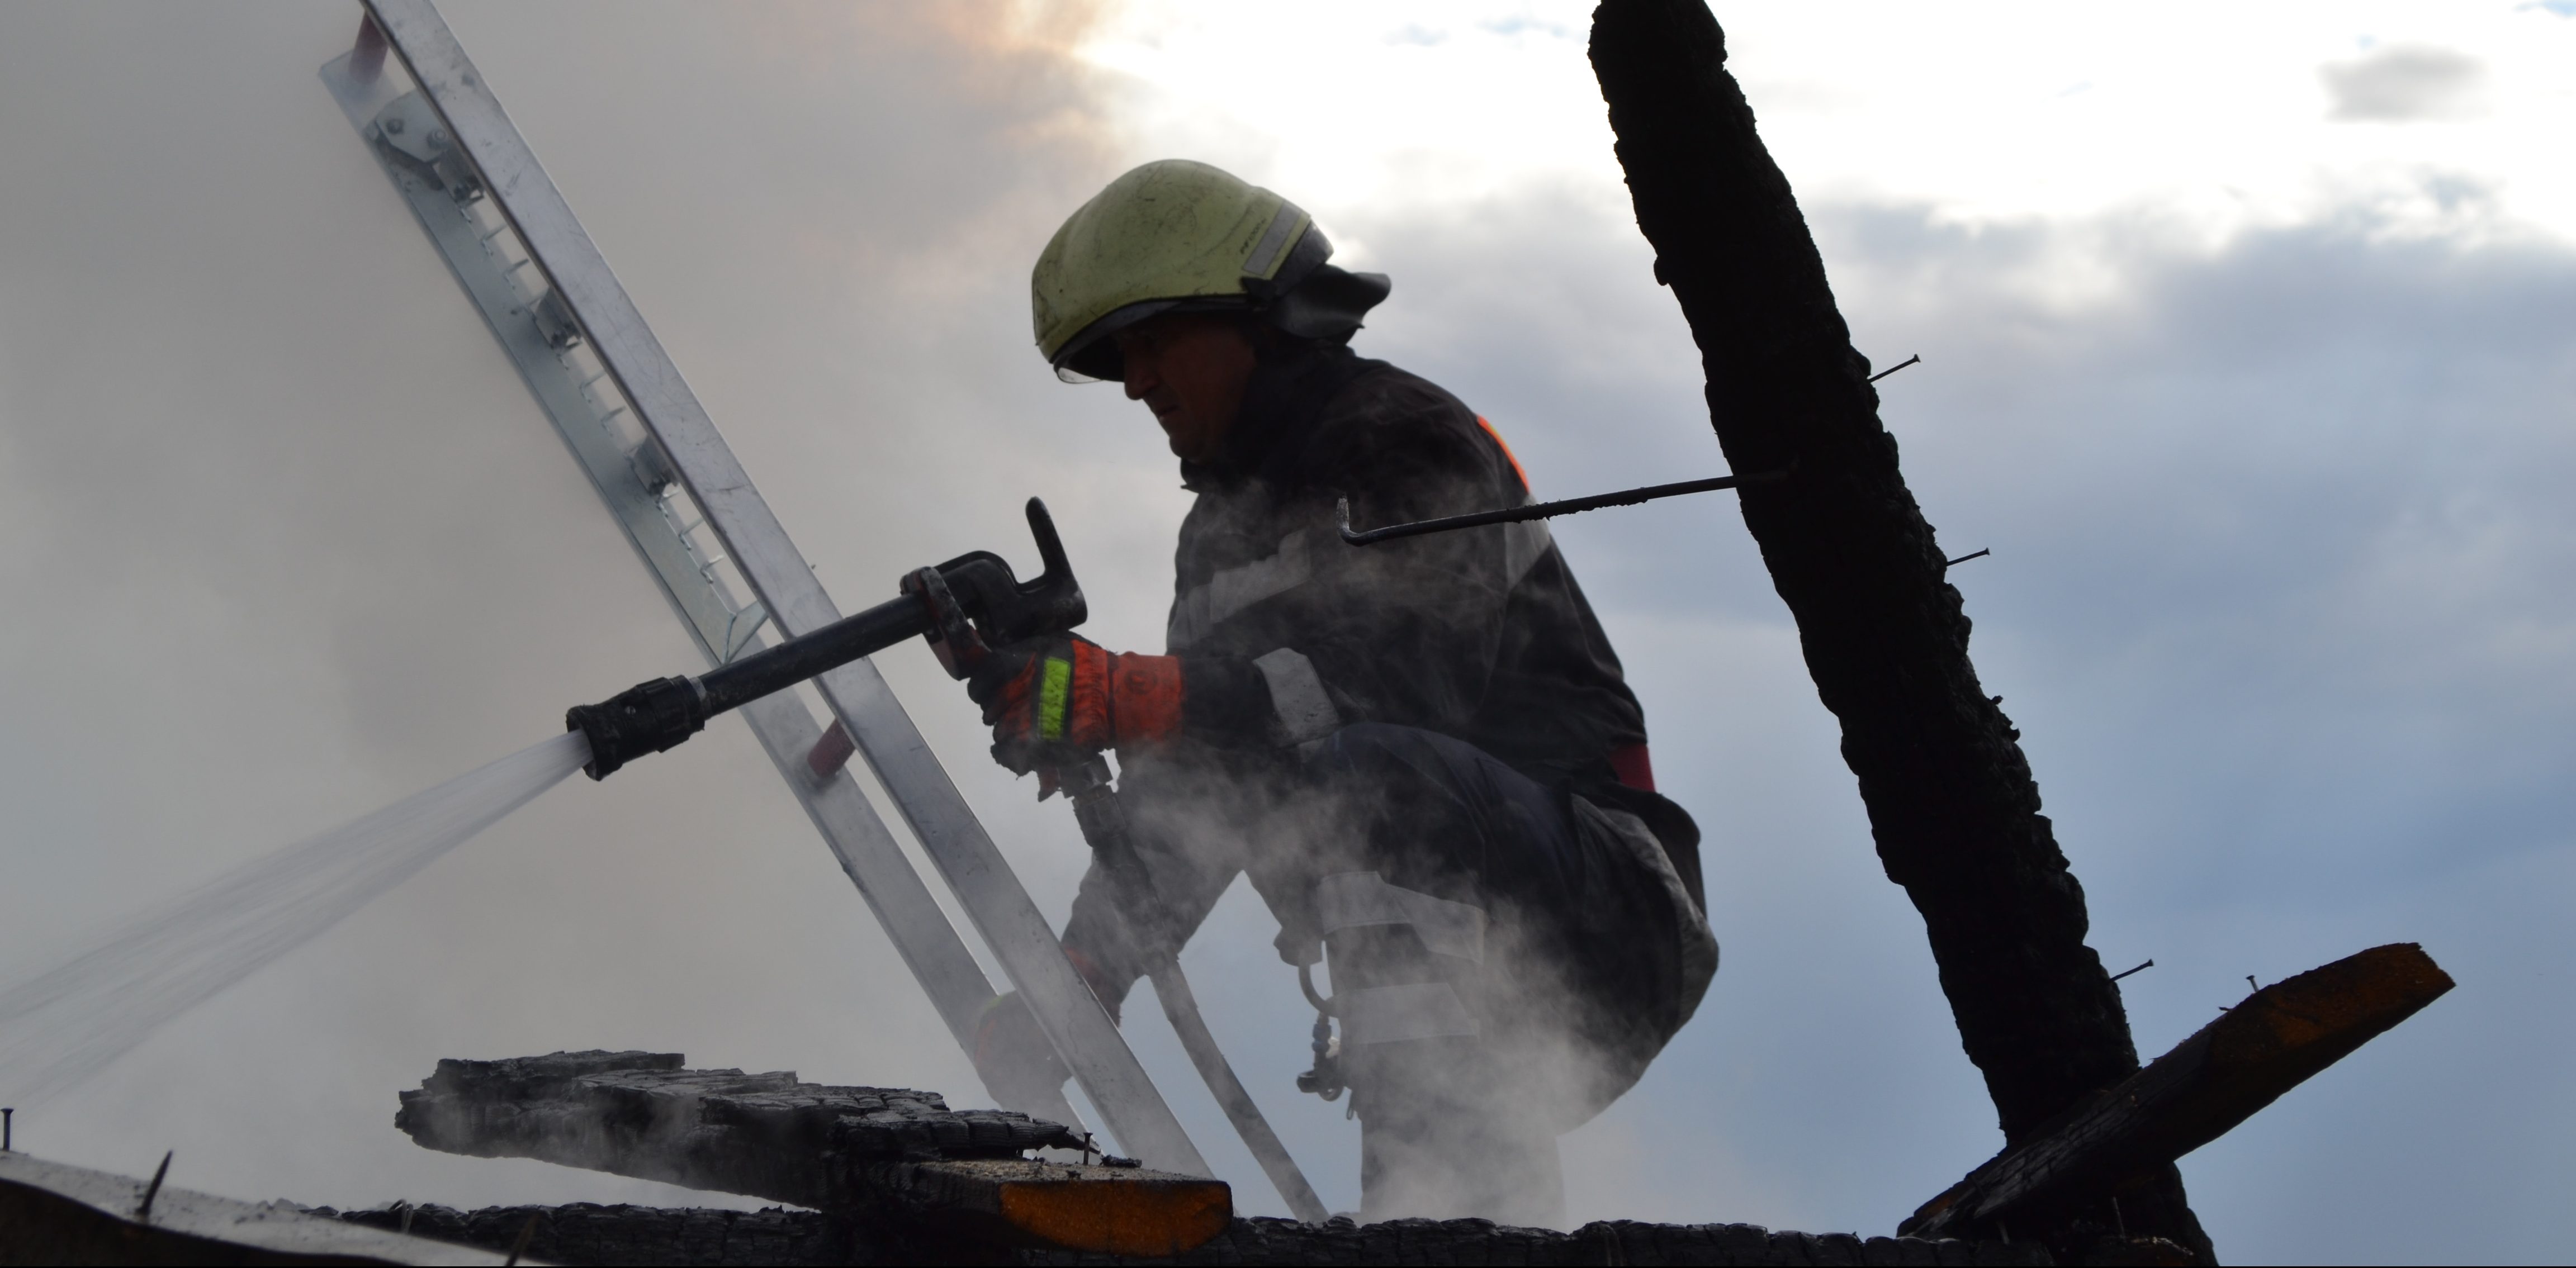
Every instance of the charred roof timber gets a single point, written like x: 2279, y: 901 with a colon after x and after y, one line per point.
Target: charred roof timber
x: 52, y: 1213
x: 2089, y: 1148
x: 2266, y: 1044
x: 898, y: 1177
x: 586, y: 1233
x: 898, y: 1158
x: 1950, y: 796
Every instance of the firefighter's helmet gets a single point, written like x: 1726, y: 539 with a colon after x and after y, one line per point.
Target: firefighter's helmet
x: 1175, y: 235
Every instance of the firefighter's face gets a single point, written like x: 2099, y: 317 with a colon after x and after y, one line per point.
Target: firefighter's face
x: 1190, y: 369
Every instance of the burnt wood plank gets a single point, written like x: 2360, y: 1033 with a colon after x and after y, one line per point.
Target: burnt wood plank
x: 639, y: 1114
x: 2256, y: 1051
x: 899, y: 1155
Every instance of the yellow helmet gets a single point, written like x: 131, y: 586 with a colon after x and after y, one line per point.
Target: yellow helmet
x: 1175, y: 235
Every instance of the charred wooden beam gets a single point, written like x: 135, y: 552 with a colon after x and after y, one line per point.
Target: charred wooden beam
x: 1480, y: 1242
x: 2236, y: 1065
x: 1950, y: 797
x: 891, y: 1154
x: 640, y: 1114
x: 661, y: 1237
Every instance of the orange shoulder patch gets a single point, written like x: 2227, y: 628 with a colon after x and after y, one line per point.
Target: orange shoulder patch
x: 1508, y: 456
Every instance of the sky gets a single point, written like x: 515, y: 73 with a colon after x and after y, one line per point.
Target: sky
x: 2246, y: 336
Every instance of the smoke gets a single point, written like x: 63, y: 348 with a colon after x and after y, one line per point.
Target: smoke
x: 2277, y: 591
x: 289, y: 541
x: 1544, y: 950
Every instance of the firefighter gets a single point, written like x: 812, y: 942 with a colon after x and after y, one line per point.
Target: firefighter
x: 1421, y: 753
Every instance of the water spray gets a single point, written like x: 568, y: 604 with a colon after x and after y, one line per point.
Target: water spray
x: 66, y: 1023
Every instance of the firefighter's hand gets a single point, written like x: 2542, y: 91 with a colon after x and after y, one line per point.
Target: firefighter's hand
x: 1053, y: 702
x: 1018, y: 1065
x: 1046, y: 700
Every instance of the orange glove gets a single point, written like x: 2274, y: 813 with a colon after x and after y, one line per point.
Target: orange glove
x: 1053, y: 701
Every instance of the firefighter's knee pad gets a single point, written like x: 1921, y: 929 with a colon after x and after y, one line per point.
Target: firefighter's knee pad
x: 1405, y: 964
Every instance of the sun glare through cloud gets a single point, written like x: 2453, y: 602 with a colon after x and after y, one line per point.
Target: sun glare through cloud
x: 2437, y: 118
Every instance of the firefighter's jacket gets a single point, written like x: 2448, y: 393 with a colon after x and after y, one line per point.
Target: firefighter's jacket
x: 1286, y: 633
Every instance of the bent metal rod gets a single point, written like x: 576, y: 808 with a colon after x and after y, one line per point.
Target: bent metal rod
x: 1542, y: 510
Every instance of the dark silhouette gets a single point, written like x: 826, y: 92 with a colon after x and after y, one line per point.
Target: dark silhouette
x: 1950, y: 796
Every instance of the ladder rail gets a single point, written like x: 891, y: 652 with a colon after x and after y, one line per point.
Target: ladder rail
x: 786, y: 730
x: 598, y: 308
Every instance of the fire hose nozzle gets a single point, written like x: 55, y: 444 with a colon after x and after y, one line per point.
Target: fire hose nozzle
x: 964, y: 605
x: 649, y: 717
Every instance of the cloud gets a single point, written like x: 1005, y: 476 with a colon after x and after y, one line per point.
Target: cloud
x: 2405, y: 83
x: 2279, y: 595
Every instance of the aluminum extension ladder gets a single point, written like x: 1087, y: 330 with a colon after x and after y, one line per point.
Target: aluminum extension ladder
x: 720, y: 555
